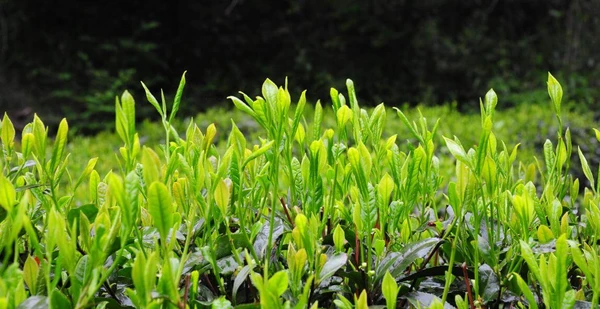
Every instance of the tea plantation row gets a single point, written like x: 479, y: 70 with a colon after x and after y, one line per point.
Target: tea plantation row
x: 283, y: 205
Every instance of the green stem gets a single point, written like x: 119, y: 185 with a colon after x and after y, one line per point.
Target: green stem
x: 245, y: 233
x: 186, y: 246
x: 369, y: 256
x: 451, y: 262
x: 274, y: 197
x: 242, y: 211
x: 275, y: 177
x: 167, y: 141
x: 289, y: 165
x: 138, y: 233
x: 328, y: 208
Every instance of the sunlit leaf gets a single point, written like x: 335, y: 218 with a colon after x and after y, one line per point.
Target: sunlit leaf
x: 222, y: 195
x: 153, y: 101
x: 177, y: 100
x: 389, y: 288
x: 555, y: 91
x: 457, y: 151
x: 160, y: 208
x: 7, y: 132
x: 586, y: 168
x: 60, y: 143
x: 8, y: 195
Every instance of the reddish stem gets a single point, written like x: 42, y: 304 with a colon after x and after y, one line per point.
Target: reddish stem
x: 468, y: 283
x: 287, y: 213
x: 182, y: 304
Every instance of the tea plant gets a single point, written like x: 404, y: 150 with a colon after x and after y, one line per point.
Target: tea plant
x: 315, y: 214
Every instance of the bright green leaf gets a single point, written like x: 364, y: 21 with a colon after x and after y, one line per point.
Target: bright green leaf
x: 30, y: 274
x: 222, y: 195
x: 362, y: 303
x: 278, y: 283
x: 344, y: 114
x: 339, y: 238
x: 586, y: 168
x: 7, y: 132
x: 8, y: 195
x: 457, y: 151
x: 555, y: 91
x: 153, y: 101
x: 160, y: 208
x: 59, y: 144
x: 177, y: 100
x: 390, y: 290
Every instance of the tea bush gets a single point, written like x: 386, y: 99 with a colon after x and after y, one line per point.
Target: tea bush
x: 301, y: 210
x: 527, y: 125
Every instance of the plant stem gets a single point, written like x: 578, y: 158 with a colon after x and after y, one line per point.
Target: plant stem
x: 468, y: 283
x: 451, y: 262
x: 274, y: 196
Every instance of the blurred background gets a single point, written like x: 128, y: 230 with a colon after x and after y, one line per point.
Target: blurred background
x: 71, y: 58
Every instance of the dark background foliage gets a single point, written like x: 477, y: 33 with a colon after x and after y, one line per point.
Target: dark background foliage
x: 71, y: 58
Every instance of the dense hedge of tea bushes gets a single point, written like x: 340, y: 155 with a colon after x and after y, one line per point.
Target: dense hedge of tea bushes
x: 526, y: 124
x: 288, y: 206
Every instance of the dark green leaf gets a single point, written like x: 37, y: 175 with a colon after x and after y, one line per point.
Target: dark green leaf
x: 397, y: 262
x: 437, y: 271
x: 260, y: 243
x: 35, y: 302
x: 489, y: 283
x: 332, y: 265
x: 424, y: 300
x: 59, y: 300
x: 227, y: 265
x: 582, y: 305
x: 240, y: 278
x: 88, y: 210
